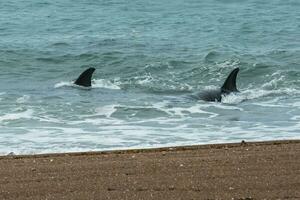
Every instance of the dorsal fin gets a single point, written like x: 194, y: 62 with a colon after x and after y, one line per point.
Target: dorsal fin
x: 230, y: 83
x: 85, y: 78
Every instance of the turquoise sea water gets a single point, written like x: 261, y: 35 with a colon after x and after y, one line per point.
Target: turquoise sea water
x: 150, y: 58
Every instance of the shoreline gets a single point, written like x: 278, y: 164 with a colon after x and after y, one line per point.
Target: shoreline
x: 245, y: 170
x: 154, y: 149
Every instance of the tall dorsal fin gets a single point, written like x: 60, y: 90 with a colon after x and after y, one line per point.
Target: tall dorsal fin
x: 85, y: 78
x: 230, y: 83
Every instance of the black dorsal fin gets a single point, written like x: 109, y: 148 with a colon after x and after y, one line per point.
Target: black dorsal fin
x: 230, y: 83
x: 85, y: 78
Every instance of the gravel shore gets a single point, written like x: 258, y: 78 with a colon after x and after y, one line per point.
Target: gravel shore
x: 258, y: 170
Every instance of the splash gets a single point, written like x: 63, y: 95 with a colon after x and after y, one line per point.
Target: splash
x: 64, y: 84
x: 235, y: 98
x: 96, y: 83
x: 103, y: 83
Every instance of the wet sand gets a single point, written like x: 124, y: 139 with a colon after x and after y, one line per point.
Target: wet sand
x: 262, y: 170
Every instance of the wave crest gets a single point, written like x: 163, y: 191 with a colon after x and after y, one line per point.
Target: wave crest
x: 96, y: 83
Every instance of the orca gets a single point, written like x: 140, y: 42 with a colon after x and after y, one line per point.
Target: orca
x: 228, y: 87
x: 85, y: 77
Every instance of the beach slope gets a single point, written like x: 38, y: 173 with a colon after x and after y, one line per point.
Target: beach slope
x: 261, y: 170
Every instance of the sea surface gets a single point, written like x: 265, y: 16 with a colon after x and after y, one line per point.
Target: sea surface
x: 151, y: 58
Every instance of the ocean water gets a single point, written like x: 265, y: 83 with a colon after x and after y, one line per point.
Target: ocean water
x: 150, y: 58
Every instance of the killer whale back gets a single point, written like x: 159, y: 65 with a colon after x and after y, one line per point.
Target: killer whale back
x: 230, y: 83
x: 228, y: 87
x: 85, y: 78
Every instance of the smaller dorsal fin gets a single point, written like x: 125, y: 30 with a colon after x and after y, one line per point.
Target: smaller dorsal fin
x: 230, y: 83
x: 85, y: 78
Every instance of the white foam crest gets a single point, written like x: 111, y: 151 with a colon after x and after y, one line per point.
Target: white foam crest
x: 228, y: 63
x: 273, y: 83
x: 107, y: 110
x: 63, y: 84
x: 23, y: 99
x: 146, y: 79
x: 224, y: 106
x: 96, y: 83
x: 186, y: 86
x: 181, y: 111
x: 15, y: 116
x: 98, y: 119
x: 253, y: 94
x: 127, y: 136
x: 50, y: 119
x: 103, y: 83
x: 235, y: 98
x: 196, y: 109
